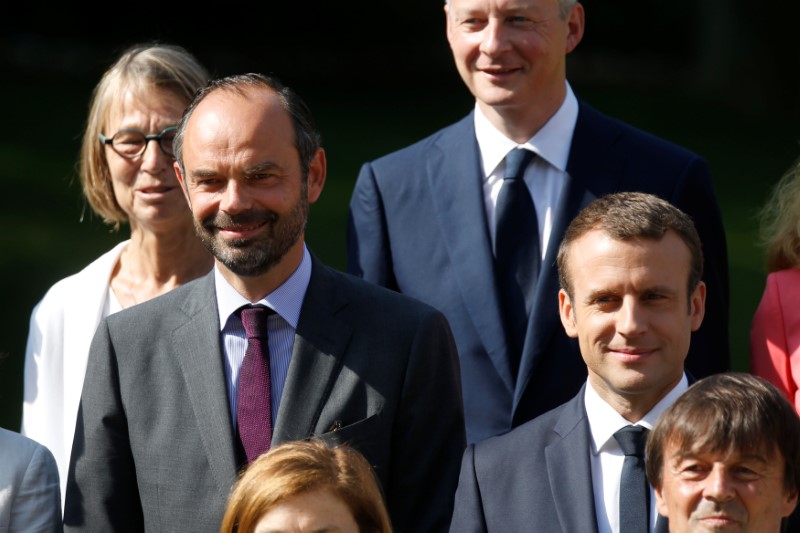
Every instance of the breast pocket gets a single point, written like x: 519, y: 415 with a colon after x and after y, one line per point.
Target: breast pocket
x: 369, y: 436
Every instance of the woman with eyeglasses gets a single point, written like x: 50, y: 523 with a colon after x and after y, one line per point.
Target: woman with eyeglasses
x: 126, y: 170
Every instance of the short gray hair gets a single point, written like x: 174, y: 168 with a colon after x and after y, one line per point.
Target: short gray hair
x: 564, y: 7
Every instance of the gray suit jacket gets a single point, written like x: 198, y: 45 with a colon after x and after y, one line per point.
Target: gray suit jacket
x: 154, y: 447
x: 30, y: 496
x: 537, y: 478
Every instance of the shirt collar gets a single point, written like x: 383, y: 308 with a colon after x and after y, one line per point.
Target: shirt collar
x: 604, y: 421
x: 286, y: 300
x: 551, y: 143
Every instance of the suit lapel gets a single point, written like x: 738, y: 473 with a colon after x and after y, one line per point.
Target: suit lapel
x: 569, y: 469
x: 455, y: 176
x: 319, y: 343
x: 196, y: 344
x: 592, y: 171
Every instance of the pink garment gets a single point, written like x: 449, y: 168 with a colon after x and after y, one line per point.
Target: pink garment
x: 775, y: 334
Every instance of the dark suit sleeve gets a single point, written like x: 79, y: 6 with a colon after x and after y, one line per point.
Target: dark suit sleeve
x: 369, y: 254
x: 468, y: 512
x: 710, y: 349
x: 102, y: 494
x: 429, y: 436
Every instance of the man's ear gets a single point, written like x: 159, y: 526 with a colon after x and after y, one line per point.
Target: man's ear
x: 697, y: 305
x: 182, y: 181
x: 661, y: 503
x: 567, y: 313
x: 575, y: 27
x: 788, y: 504
x: 317, y: 170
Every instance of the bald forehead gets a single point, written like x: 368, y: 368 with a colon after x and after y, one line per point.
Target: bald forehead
x: 247, y: 97
x: 241, y: 111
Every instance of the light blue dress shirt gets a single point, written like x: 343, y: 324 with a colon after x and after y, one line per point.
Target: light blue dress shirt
x: 286, y: 301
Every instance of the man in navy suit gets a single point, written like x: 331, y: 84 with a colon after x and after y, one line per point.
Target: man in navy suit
x: 422, y: 219
x: 630, y: 267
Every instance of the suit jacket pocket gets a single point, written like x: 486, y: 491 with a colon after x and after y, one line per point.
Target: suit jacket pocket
x: 367, y: 436
x: 362, y: 431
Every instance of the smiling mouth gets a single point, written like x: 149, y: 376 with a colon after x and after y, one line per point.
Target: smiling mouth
x: 156, y: 190
x: 631, y: 355
x: 241, y: 228
x: 631, y: 351
x: 499, y: 71
x: 719, y: 519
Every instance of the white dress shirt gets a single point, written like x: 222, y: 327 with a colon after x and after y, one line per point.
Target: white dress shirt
x: 607, y: 456
x: 286, y: 301
x: 545, y: 176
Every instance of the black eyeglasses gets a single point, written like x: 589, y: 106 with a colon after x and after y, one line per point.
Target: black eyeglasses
x: 131, y: 143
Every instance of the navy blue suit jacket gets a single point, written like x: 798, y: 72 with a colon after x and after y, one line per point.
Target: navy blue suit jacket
x: 538, y: 477
x: 417, y: 225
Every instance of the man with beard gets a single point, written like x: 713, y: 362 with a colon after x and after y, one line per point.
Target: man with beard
x: 177, y: 398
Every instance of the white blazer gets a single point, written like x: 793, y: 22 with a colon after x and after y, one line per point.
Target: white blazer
x: 62, y: 326
x: 29, y: 500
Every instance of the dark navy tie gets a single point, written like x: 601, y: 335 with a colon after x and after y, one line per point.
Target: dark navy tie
x: 516, y: 250
x: 634, y: 491
x: 254, y: 399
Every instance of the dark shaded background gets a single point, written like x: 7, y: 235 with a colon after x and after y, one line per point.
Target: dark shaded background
x: 717, y: 76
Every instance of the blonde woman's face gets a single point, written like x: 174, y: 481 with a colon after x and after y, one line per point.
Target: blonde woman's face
x: 312, y: 512
x: 145, y: 186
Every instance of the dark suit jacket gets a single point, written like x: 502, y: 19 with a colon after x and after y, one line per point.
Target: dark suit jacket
x: 535, y: 478
x: 418, y: 225
x: 155, y: 448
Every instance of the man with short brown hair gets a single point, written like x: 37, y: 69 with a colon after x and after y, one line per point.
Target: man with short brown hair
x: 726, y: 456
x: 632, y: 295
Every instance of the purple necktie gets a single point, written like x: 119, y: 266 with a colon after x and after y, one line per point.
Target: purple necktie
x: 254, y: 400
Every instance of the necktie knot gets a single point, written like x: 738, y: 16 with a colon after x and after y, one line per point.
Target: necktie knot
x: 632, y: 440
x: 516, y: 162
x: 254, y: 319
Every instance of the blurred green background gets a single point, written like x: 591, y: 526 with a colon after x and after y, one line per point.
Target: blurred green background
x: 715, y: 76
